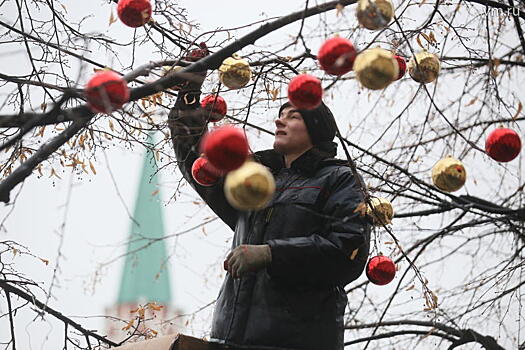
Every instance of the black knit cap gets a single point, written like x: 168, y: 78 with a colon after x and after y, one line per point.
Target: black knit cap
x: 320, y: 122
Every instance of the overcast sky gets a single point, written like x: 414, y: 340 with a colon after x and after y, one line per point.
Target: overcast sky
x: 95, y: 208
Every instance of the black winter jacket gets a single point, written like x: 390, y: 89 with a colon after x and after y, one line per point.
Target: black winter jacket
x: 298, y: 302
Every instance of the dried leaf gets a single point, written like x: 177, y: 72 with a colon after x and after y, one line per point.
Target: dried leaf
x: 339, y: 9
x: 154, y: 193
x: 45, y: 261
x: 432, y: 37
x: 43, y: 106
x: 155, y: 307
x: 520, y: 107
x: 128, y: 325
x: 427, y: 38
x: 419, y: 42
x: 354, y: 254
x: 494, y: 67
x: 111, y: 126
x: 112, y: 18
x: 410, y: 288
x: 54, y: 173
x: 275, y: 94
x: 471, y: 102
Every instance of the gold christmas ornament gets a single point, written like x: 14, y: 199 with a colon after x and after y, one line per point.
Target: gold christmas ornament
x: 427, y: 68
x: 249, y: 187
x: 376, y: 68
x: 235, y: 72
x: 449, y: 174
x: 375, y: 14
x: 380, y: 211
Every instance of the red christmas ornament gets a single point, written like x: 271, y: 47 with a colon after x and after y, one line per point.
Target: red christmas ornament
x: 380, y: 270
x: 197, y: 54
x: 204, y: 173
x: 216, y: 106
x: 402, y: 66
x: 305, y: 92
x: 134, y: 13
x: 106, y: 91
x: 336, y: 56
x: 503, y: 145
x: 226, y: 148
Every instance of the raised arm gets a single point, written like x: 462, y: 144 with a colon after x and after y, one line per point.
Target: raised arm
x: 187, y: 122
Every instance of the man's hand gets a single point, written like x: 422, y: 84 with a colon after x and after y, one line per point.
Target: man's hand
x: 247, y: 258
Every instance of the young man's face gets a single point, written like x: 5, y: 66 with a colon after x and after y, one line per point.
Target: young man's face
x: 291, y: 135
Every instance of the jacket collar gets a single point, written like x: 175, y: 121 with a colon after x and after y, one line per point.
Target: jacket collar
x: 307, y: 164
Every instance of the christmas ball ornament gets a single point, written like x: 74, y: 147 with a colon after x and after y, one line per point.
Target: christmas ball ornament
x: 226, y: 148
x: 503, y: 145
x: 250, y: 187
x: 449, y: 174
x: 336, y: 56
x: 380, y: 270
x: 427, y: 68
x: 197, y: 54
x: 402, y: 66
x: 106, y: 91
x: 134, y: 13
x: 376, y: 68
x: 380, y: 211
x: 215, y: 106
x: 204, y: 173
x: 235, y: 72
x: 305, y: 92
x: 375, y: 14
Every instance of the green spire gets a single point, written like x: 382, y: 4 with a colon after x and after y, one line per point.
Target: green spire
x: 145, y: 277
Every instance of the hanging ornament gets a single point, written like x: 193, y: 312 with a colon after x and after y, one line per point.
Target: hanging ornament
x: 449, y: 174
x: 250, y: 187
x: 235, y: 72
x: 204, y: 173
x: 503, y: 145
x: 305, y: 92
x: 336, y: 56
x: 402, y: 65
x: 106, y: 91
x: 375, y: 14
x: 134, y: 13
x: 427, y: 68
x: 197, y: 54
x: 380, y: 211
x: 376, y: 68
x: 380, y: 270
x: 215, y: 106
x: 226, y: 148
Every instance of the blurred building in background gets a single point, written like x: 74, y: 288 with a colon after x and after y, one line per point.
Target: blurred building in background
x: 144, y: 305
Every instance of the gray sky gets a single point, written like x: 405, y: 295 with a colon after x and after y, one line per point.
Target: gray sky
x: 96, y: 216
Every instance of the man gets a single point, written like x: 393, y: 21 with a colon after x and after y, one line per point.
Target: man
x: 290, y: 261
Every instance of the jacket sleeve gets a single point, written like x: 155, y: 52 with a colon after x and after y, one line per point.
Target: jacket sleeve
x: 326, y: 258
x: 187, y: 122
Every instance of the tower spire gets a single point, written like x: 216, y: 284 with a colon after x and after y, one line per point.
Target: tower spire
x: 145, y: 276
